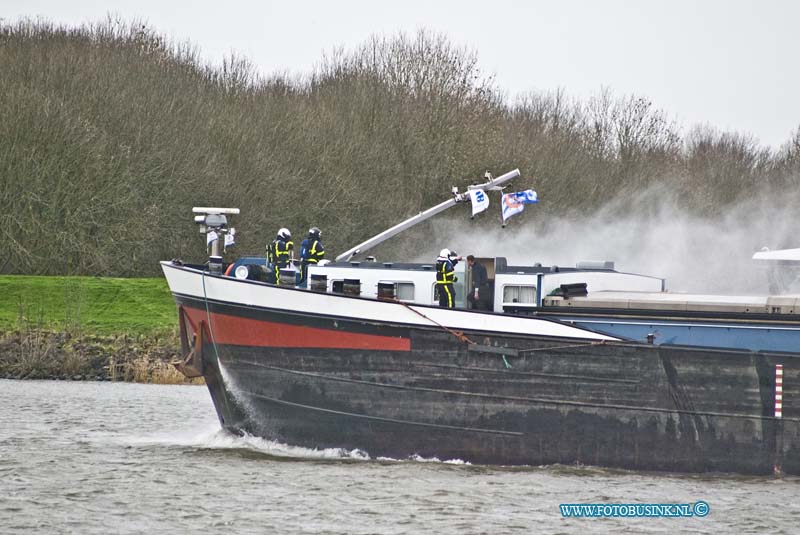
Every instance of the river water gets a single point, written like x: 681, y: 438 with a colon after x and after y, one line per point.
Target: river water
x: 85, y: 457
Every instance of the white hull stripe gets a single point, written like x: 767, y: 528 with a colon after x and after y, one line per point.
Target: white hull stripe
x: 192, y: 283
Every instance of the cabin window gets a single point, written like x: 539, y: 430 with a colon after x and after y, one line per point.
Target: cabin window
x: 405, y: 291
x: 519, y: 294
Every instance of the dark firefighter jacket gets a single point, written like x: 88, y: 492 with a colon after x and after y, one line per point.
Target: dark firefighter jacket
x: 278, y: 252
x: 445, y: 270
x: 311, y: 251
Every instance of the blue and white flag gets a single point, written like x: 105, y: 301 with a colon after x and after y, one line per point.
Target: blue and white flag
x: 514, y: 203
x: 480, y: 201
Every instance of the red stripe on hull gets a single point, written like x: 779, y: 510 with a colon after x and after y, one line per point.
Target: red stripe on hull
x: 239, y: 331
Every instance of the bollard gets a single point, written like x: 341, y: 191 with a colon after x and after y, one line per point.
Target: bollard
x: 288, y: 277
x: 215, y: 264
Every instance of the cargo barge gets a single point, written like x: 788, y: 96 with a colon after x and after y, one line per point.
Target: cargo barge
x: 395, y: 376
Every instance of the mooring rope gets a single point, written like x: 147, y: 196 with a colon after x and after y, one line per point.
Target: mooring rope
x: 208, y: 316
x: 459, y: 335
x: 464, y: 338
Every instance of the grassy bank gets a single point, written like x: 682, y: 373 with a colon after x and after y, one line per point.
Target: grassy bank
x: 88, y: 328
x: 92, y: 305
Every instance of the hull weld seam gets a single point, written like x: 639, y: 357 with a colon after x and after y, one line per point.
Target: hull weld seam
x: 387, y: 420
x: 533, y: 374
x: 540, y: 401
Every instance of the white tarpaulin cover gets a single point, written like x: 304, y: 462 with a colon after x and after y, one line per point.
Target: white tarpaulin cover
x: 786, y: 255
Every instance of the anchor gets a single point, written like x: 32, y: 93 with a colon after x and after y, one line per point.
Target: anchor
x: 191, y: 362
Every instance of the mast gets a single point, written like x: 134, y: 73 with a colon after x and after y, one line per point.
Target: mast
x: 491, y: 184
x: 214, y: 220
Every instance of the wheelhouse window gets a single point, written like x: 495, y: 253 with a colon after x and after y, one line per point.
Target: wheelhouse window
x: 405, y: 291
x: 525, y: 295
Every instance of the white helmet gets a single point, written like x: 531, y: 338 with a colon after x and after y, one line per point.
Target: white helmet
x: 284, y: 233
x: 444, y: 252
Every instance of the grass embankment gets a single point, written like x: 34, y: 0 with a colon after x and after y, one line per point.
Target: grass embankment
x: 88, y: 328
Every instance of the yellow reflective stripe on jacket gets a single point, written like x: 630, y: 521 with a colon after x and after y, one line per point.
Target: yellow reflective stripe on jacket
x: 314, y: 255
x: 445, y: 276
x: 280, y: 254
x: 285, y: 250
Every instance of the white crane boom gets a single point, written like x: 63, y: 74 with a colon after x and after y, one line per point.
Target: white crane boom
x: 491, y: 184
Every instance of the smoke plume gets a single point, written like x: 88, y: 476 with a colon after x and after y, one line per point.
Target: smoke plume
x: 649, y: 234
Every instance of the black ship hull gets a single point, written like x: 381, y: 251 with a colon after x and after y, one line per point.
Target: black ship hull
x: 391, y: 389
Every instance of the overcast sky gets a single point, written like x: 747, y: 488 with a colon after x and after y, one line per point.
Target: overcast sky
x: 731, y: 64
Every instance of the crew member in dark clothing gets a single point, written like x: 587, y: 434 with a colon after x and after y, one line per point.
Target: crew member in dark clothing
x: 446, y: 276
x: 278, y: 254
x: 480, y: 285
x: 311, y: 252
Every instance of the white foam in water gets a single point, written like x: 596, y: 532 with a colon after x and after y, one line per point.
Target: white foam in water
x: 420, y: 459
x: 177, y: 438
x: 214, y: 438
x: 225, y: 440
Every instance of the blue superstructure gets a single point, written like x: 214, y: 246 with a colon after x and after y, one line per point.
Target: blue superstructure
x: 753, y: 335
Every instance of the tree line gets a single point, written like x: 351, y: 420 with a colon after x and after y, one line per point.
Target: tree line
x: 110, y: 133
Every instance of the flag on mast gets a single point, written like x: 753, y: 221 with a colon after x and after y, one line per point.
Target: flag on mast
x: 211, y: 237
x: 480, y: 201
x: 230, y: 238
x: 514, y: 203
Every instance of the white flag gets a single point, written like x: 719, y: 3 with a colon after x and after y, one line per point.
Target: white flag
x: 211, y: 237
x: 230, y: 237
x: 480, y: 201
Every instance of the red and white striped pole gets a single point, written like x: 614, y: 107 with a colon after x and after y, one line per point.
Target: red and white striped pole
x: 779, y: 391
x: 779, y: 417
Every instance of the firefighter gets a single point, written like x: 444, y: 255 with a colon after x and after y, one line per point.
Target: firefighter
x: 278, y: 254
x: 446, y: 276
x: 311, y: 252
